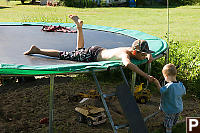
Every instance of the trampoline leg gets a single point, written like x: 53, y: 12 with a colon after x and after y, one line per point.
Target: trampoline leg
x: 133, y: 82
x: 167, y: 56
x: 123, y: 75
x: 150, y: 116
x: 148, y: 71
x: 166, y: 62
x: 51, y: 104
x: 104, y: 102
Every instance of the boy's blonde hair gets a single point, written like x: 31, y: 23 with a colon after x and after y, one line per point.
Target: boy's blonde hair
x: 169, y: 70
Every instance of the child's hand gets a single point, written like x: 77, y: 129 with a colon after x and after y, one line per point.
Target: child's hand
x: 157, y: 83
x: 150, y: 78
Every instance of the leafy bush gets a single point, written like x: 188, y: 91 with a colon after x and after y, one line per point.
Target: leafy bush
x: 164, y: 2
x: 183, y: 2
x: 187, y: 56
x: 78, y: 3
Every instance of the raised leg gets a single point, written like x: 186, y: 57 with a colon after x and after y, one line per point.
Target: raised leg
x: 80, y: 38
x: 55, y: 53
x: 47, y: 52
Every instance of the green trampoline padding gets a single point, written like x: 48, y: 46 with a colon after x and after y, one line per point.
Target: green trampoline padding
x: 156, y: 44
x: 11, y: 69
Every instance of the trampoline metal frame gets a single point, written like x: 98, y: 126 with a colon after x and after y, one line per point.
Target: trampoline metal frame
x: 102, y: 95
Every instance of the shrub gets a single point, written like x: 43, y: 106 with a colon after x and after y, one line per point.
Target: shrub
x: 183, y: 2
x: 79, y: 3
x: 188, y: 58
x: 164, y: 2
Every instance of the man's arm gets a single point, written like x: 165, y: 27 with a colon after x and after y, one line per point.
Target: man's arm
x: 127, y: 63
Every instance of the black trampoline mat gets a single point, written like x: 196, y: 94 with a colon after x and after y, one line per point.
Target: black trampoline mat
x: 15, y: 40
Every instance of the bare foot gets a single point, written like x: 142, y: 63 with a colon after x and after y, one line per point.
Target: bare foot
x: 77, y: 21
x: 33, y: 50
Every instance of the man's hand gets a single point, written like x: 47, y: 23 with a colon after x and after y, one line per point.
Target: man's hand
x: 149, y: 58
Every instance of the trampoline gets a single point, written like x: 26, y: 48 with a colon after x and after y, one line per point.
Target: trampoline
x: 17, y: 38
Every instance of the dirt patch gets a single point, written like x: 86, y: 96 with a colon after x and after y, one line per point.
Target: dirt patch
x: 23, y: 105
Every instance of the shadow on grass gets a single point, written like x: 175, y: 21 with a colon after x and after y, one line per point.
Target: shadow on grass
x: 178, y: 128
x: 156, y: 7
x: 3, y: 7
x: 30, y: 3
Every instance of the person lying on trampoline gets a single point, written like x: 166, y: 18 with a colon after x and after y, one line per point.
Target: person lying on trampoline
x: 139, y: 50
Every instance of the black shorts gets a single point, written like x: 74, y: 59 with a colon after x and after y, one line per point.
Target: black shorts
x: 82, y: 55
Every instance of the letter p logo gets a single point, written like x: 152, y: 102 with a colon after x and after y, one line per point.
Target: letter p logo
x: 192, y: 125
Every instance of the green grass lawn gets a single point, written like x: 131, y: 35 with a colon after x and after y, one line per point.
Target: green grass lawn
x: 184, y: 21
x: 184, y: 25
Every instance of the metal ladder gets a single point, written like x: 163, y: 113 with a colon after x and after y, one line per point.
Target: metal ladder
x: 103, y: 96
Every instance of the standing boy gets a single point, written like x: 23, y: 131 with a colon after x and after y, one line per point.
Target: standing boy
x: 171, y: 96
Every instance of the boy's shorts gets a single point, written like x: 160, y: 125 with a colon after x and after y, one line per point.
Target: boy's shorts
x: 82, y: 55
x: 170, y: 120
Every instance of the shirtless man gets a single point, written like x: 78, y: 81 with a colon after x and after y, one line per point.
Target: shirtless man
x: 139, y: 50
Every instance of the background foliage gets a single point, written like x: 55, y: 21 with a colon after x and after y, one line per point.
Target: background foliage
x: 79, y: 3
x: 183, y: 2
x: 164, y: 2
x: 92, y: 3
x: 188, y: 58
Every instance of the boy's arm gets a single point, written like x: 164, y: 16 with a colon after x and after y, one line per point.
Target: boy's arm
x: 126, y: 61
x: 157, y: 83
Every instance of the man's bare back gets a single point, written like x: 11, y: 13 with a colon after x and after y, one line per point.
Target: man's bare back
x: 118, y: 54
x: 113, y: 54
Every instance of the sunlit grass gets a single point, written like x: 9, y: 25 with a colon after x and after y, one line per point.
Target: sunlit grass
x: 184, y: 21
x: 184, y: 26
